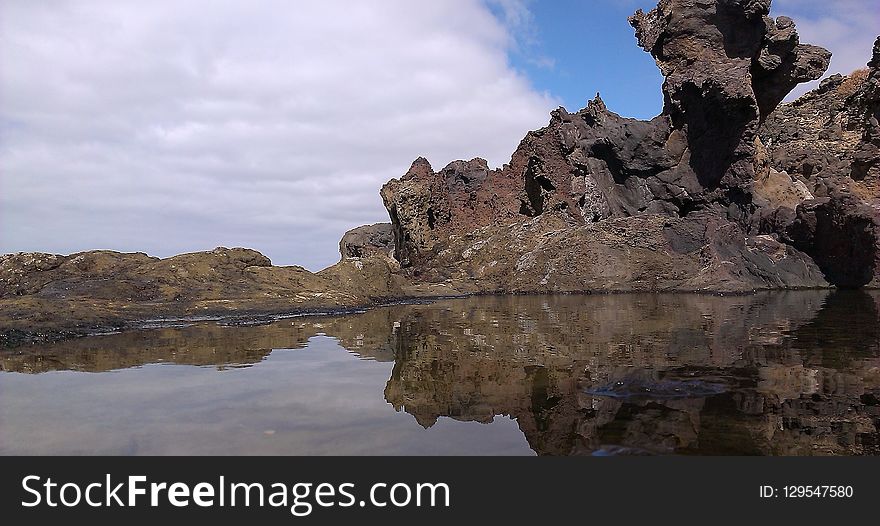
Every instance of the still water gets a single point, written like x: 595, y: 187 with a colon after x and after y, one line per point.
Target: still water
x: 793, y: 373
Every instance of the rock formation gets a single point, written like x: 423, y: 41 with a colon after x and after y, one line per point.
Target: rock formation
x: 832, y: 132
x: 828, y: 144
x: 46, y: 296
x: 691, y: 200
x: 368, y: 240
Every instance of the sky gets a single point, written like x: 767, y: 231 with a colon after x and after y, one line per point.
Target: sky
x: 168, y: 127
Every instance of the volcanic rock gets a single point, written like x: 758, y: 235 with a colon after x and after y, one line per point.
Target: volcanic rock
x: 368, y: 240
x: 727, y: 65
x: 589, y: 202
x: 828, y: 142
x: 840, y: 232
x: 830, y: 135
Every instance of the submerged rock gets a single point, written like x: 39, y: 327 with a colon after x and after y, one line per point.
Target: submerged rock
x: 658, y: 389
x: 621, y: 451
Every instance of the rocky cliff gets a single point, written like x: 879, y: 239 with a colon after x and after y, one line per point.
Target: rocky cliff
x: 828, y: 143
x: 714, y: 194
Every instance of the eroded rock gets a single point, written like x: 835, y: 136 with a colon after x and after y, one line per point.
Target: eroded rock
x: 588, y: 202
x: 368, y: 240
x: 841, y: 233
x: 46, y: 297
x: 829, y: 142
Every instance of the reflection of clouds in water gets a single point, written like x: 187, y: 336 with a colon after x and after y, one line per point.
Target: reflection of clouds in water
x: 316, y: 401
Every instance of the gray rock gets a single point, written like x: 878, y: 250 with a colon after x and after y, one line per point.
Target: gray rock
x: 367, y: 240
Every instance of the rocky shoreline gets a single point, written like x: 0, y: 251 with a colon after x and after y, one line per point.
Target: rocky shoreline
x: 726, y: 191
x: 21, y: 331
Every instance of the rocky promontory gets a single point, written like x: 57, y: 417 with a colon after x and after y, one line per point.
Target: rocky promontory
x: 727, y: 190
x: 714, y: 194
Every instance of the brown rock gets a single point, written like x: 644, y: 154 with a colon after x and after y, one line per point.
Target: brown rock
x: 44, y: 296
x: 368, y: 240
x: 584, y: 204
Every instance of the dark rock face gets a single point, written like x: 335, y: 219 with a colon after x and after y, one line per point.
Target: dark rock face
x: 840, y: 233
x: 724, y: 62
x: 828, y: 143
x: 866, y: 159
x: 727, y: 66
x: 427, y: 206
x: 367, y: 240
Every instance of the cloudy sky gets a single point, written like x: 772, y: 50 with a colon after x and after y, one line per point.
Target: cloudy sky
x: 176, y: 126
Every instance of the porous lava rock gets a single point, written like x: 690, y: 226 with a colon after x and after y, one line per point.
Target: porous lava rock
x: 578, y: 191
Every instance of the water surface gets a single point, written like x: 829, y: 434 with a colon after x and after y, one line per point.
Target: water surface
x: 793, y: 373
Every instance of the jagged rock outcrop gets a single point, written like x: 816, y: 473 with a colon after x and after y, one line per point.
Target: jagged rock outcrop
x: 866, y: 159
x: 593, y: 196
x: 832, y: 133
x: 815, y: 136
x: 727, y: 65
x: 840, y: 232
x: 826, y: 144
x: 368, y: 240
x: 427, y: 206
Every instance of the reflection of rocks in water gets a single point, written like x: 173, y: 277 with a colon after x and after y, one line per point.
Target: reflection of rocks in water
x: 693, y: 375
x: 846, y: 329
x: 775, y: 373
x: 205, y: 344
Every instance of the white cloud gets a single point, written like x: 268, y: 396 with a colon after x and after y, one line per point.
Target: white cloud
x: 523, y: 31
x: 169, y: 126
